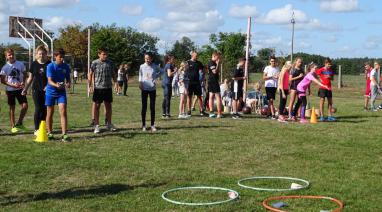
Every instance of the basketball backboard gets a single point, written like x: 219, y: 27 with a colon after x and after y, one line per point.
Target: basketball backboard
x: 28, y: 23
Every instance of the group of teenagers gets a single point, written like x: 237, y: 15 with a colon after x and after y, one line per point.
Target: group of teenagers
x: 373, y: 83
x: 50, y: 79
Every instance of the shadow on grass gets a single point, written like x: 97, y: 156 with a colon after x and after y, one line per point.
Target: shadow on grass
x: 192, y: 127
x: 74, y: 193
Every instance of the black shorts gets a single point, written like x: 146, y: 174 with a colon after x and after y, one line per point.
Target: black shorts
x: 120, y: 83
x: 237, y: 95
x: 271, y: 93
x: 103, y: 95
x: 213, y: 88
x: 13, y: 95
x: 194, y: 89
x: 323, y: 93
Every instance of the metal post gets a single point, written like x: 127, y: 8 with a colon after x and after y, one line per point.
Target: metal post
x: 293, y: 21
x: 88, y: 60
x: 42, y: 40
x: 247, y: 57
x: 47, y: 35
x: 339, y: 77
x: 29, y: 49
x: 30, y: 34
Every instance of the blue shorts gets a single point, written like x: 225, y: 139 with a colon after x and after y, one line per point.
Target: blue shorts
x: 51, y: 100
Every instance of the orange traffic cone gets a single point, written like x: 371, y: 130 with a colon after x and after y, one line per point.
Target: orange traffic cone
x: 42, y: 136
x: 313, y: 116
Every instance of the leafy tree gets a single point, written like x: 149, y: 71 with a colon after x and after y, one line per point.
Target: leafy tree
x: 182, y: 49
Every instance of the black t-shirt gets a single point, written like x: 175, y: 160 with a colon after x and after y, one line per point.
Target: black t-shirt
x: 238, y: 72
x: 38, y: 72
x: 295, y: 73
x: 213, y: 78
x: 193, y: 71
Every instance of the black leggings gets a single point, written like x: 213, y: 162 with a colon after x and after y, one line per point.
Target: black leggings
x: 40, y: 108
x: 167, y: 94
x: 283, y: 102
x: 301, y: 101
x: 125, y: 86
x: 144, y: 95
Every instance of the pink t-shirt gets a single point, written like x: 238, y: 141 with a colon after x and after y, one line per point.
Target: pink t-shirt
x: 286, y: 81
x: 304, y: 84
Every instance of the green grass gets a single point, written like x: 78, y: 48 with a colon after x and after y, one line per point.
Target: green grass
x: 129, y: 170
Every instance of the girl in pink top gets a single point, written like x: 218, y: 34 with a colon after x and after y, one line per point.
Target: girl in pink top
x: 303, y: 88
x: 283, y: 87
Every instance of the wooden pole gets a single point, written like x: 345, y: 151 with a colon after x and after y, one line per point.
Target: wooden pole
x: 88, y: 60
x: 339, y: 77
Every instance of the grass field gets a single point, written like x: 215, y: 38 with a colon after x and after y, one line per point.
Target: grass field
x: 128, y: 170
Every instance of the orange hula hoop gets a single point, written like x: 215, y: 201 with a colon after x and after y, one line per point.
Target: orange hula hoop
x: 266, y: 205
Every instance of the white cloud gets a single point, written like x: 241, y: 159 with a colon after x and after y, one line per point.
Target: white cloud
x: 203, y: 22
x: 56, y: 22
x: 243, y: 11
x: 339, y: 5
x: 51, y: 3
x: 283, y: 15
x: 132, y: 10
x: 150, y: 24
x: 9, y: 8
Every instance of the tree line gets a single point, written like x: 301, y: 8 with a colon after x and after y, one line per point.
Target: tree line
x: 128, y: 45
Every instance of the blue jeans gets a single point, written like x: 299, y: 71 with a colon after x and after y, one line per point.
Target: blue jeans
x: 167, y: 94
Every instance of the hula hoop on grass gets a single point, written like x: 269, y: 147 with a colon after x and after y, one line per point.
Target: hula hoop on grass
x: 164, y: 195
x: 305, y: 182
x: 266, y: 205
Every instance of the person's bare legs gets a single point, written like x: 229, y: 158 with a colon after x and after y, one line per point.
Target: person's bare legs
x: 322, y: 103
x: 12, y: 114
x: 108, y: 111
x: 96, y: 107
x: 49, y: 118
x: 292, y: 99
x: 366, y: 105
x: 63, y: 117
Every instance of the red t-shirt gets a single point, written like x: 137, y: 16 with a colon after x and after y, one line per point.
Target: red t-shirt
x: 325, y: 77
x: 368, y: 77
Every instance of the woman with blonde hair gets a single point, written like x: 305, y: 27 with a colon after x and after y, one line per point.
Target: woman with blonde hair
x: 37, y: 78
x: 283, y: 88
x: 295, y: 77
x: 183, y: 83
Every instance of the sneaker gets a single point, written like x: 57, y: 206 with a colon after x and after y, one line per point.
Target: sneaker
x: 35, y: 133
x: 192, y: 109
x: 203, y: 113
x: 281, y: 119
x: 111, y: 127
x: 153, y: 129
x: 144, y: 129
x: 303, y: 121
x: 212, y: 115
x: 65, y: 138
x: 189, y: 113
x: 187, y: 116
x: 105, y: 122
x: 168, y: 116
x: 219, y: 116
x: 273, y: 117
x: 50, y: 136
x: 96, y: 129
x: 15, y: 130
x: 21, y: 127
x: 373, y: 110
x: 164, y: 116
x: 235, y: 116
x: 181, y: 116
x: 380, y: 107
x: 331, y: 119
x: 293, y: 118
x: 322, y: 119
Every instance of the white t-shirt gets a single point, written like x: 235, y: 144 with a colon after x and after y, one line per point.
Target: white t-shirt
x: 271, y: 72
x: 120, y: 75
x: 75, y: 73
x: 14, y: 73
x: 374, y: 74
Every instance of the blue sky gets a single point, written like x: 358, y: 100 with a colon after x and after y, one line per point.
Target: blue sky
x: 335, y: 28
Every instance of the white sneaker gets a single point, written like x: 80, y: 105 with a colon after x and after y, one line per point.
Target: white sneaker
x: 219, y: 116
x: 111, y: 127
x: 181, y: 116
x: 143, y: 129
x: 35, y: 132
x: 96, y: 129
x: 153, y: 129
